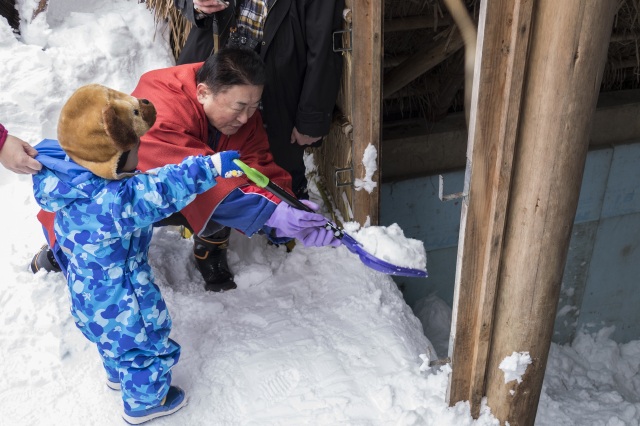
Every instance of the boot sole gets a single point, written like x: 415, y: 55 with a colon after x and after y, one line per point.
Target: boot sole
x: 143, y: 419
x: 220, y: 288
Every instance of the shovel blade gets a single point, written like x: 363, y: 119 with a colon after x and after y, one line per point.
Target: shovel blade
x: 378, y: 264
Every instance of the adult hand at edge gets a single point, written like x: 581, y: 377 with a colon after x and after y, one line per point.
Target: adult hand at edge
x: 209, y: 7
x: 17, y: 155
x: 303, y: 140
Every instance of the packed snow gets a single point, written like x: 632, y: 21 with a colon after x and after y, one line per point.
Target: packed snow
x: 370, y: 163
x: 514, y: 366
x: 309, y: 337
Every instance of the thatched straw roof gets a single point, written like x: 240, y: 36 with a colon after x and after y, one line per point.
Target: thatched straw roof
x: 623, y: 63
x: 433, y: 95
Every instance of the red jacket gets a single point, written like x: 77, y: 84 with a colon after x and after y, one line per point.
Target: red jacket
x: 181, y: 129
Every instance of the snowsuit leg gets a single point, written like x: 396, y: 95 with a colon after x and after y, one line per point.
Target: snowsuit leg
x: 110, y: 365
x: 124, y: 314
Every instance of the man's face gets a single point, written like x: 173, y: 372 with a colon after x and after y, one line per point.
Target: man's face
x: 229, y: 110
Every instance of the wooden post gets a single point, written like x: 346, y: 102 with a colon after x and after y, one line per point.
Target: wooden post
x: 567, y: 55
x: 367, y: 109
x: 501, y: 53
x: 527, y: 148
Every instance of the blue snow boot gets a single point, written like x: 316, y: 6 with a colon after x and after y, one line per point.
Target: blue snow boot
x: 172, y: 402
x: 113, y: 384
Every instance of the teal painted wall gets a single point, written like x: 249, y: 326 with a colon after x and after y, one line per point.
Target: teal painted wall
x: 601, y: 282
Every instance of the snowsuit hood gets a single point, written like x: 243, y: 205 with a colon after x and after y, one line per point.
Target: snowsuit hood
x: 66, y: 181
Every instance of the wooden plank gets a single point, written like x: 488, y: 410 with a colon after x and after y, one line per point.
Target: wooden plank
x: 410, y: 23
x: 503, y: 39
x: 345, y: 95
x: 367, y: 91
x: 336, y: 155
x: 616, y: 118
x: 336, y: 152
x: 436, y: 147
x: 359, y: 104
x: 414, y: 148
x: 564, y: 67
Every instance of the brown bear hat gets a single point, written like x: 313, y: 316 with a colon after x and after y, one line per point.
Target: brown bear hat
x: 98, y: 125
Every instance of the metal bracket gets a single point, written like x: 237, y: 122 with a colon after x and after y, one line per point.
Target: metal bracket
x: 443, y: 361
x: 339, y: 172
x: 447, y: 197
x: 343, y: 48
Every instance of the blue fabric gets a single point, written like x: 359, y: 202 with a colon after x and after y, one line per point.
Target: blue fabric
x: 225, y: 165
x: 104, y: 229
x: 246, y: 212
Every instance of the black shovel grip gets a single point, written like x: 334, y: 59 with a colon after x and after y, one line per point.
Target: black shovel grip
x: 288, y: 198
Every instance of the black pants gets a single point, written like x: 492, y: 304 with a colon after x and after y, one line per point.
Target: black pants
x: 213, y: 229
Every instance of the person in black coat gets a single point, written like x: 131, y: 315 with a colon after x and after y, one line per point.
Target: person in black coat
x: 303, y: 71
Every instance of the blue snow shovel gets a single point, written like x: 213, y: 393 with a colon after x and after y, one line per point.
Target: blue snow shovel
x: 348, y: 241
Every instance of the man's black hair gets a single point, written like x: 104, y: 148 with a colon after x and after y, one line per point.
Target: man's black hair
x: 232, y: 66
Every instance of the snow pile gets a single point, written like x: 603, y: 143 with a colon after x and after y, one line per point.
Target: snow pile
x: 390, y: 244
x: 370, y: 162
x: 435, y: 316
x: 593, y: 381
x: 514, y: 366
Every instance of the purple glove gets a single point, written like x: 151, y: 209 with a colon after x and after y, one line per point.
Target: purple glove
x: 304, y: 226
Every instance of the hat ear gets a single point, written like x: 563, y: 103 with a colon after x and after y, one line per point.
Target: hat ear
x: 121, y: 133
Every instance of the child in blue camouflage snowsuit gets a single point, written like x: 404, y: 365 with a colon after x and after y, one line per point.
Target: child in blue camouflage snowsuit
x: 103, y: 223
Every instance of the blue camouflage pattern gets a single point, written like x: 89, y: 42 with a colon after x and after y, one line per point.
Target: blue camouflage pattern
x: 104, y: 228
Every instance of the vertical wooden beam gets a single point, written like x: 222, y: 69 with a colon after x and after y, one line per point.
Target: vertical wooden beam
x: 527, y: 148
x: 566, y: 61
x: 503, y: 37
x: 367, y: 93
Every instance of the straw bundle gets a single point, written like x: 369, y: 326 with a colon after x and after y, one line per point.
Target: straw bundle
x: 165, y: 11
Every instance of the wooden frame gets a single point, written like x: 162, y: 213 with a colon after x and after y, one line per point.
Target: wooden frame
x: 538, y: 72
x: 358, y: 124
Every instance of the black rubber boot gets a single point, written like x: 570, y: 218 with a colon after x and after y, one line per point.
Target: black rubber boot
x: 44, y: 259
x: 211, y: 260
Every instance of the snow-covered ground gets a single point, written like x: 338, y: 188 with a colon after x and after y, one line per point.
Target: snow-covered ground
x: 310, y: 337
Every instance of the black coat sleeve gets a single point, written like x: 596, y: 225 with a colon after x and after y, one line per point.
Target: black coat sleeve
x: 324, y: 67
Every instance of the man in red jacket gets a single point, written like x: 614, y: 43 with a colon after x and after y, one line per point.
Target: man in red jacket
x: 205, y: 108
x: 295, y: 39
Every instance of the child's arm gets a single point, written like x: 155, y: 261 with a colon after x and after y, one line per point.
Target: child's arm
x: 149, y: 197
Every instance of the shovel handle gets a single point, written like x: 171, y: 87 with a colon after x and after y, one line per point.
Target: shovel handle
x: 264, y: 182
x: 288, y: 198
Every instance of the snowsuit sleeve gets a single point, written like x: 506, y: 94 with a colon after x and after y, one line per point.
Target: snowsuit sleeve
x: 147, y: 198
